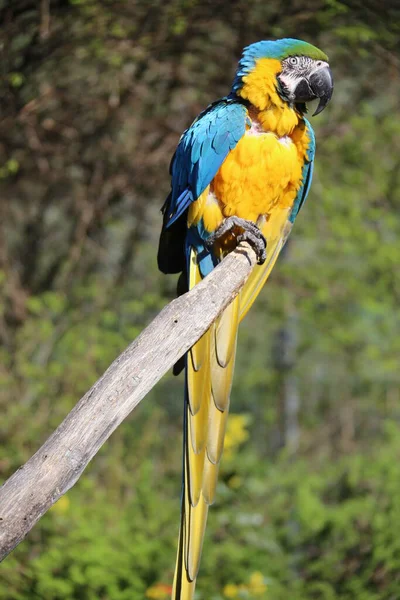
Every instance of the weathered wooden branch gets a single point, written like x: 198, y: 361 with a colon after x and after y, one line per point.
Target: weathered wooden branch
x: 59, y: 463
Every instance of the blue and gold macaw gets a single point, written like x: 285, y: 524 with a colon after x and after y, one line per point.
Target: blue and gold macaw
x: 241, y: 171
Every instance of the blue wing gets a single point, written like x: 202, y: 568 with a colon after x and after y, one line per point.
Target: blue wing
x: 201, y: 151
x: 307, y: 174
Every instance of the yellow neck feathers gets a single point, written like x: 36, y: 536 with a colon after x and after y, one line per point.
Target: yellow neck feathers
x: 259, y: 88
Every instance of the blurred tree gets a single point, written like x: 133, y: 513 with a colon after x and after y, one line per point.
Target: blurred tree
x: 93, y: 98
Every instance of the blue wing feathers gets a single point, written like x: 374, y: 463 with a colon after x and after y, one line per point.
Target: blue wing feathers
x: 220, y: 142
x: 181, y: 204
x: 311, y: 148
x: 307, y: 174
x: 201, y: 151
x: 196, y: 149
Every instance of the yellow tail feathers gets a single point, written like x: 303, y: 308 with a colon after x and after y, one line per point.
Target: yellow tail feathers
x: 209, y: 373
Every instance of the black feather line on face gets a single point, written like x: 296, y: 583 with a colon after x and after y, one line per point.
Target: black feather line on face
x: 284, y: 93
x: 301, y: 107
x: 282, y: 90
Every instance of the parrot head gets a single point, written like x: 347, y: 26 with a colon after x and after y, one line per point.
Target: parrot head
x: 292, y: 70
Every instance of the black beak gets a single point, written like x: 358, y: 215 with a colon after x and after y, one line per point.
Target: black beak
x: 319, y: 85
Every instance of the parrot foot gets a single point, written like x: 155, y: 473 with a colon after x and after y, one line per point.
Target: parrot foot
x: 249, y: 232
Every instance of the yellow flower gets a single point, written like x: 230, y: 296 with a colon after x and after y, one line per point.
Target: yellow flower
x: 236, y: 433
x: 159, y: 591
x: 257, y: 585
x: 231, y: 590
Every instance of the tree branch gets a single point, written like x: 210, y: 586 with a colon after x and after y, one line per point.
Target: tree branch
x: 59, y: 463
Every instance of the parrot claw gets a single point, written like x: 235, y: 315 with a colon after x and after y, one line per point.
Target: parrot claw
x: 257, y: 242
x: 248, y: 232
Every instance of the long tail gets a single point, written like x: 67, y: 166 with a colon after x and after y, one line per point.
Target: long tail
x: 209, y: 372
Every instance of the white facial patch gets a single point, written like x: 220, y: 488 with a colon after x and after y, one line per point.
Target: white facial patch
x: 292, y: 74
x: 290, y: 80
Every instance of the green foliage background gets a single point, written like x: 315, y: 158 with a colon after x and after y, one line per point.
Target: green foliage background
x: 93, y: 98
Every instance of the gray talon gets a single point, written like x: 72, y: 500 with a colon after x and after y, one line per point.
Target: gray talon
x: 251, y: 234
x: 257, y: 242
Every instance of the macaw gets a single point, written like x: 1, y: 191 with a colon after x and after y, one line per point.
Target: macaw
x: 241, y: 171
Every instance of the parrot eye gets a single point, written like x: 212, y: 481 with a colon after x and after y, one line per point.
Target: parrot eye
x: 293, y: 60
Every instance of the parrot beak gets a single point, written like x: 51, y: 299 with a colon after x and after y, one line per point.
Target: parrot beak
x: 321, y: 83
x: 318, y: 85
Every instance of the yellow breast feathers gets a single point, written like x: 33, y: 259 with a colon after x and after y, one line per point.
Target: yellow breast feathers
x: 264, y: 171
